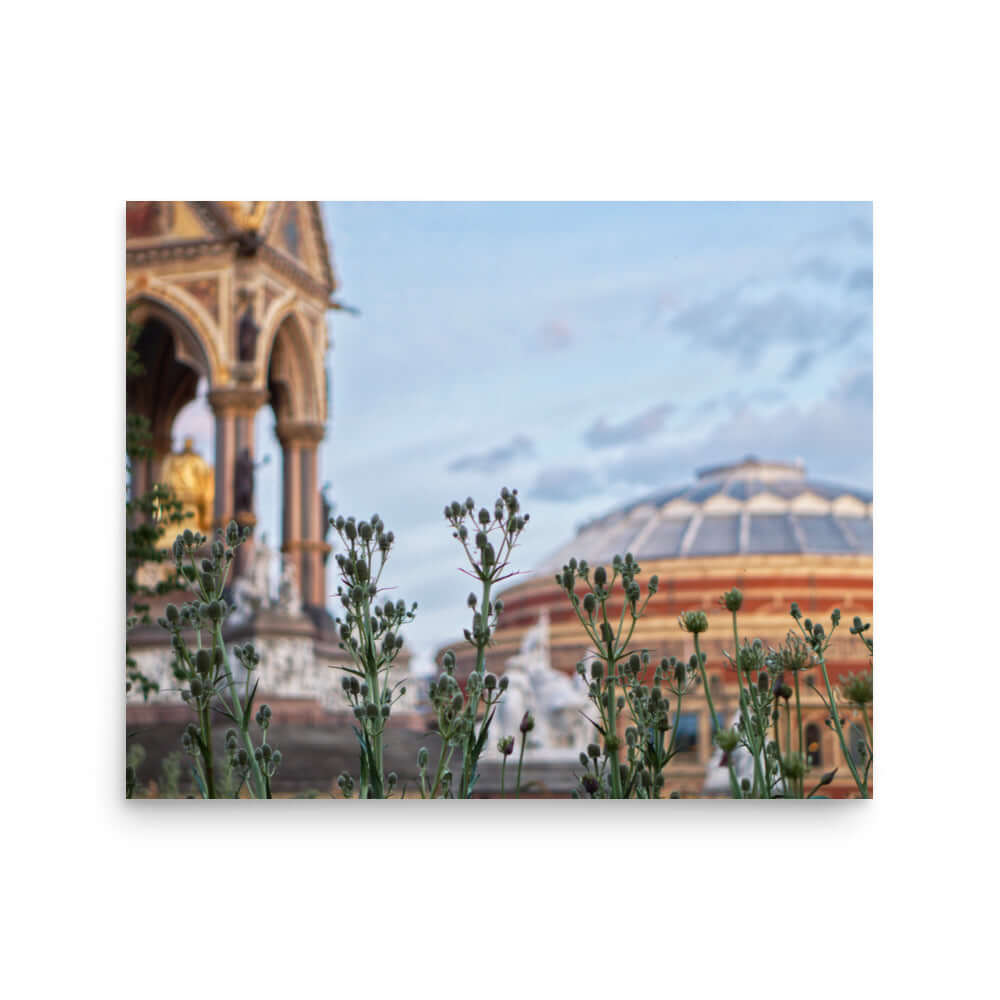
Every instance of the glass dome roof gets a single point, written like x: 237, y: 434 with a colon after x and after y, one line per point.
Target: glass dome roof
x: 748, y: 507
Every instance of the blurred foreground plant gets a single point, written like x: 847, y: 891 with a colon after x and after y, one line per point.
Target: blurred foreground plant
x: 761, y: 684
x: 369, y: 632
x: 613, y: 667
x: 488, y: 539
x: 203, y: 668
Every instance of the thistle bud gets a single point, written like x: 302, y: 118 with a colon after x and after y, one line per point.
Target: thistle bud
x: 506, y: 745
x: 203, y: 661
x: 600, y: 576
x: 694, y: 621
x: 732, y: 600
x: 727, y: 740
x: 527, y: 723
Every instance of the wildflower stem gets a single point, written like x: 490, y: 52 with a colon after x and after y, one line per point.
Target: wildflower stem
x: 733, y: 782
x: 862, y: 791
x: 257, y: 788
x: 798, y: 714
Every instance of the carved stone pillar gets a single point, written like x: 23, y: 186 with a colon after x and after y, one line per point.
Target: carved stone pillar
x: 234, y: 411
x: 302, y: 540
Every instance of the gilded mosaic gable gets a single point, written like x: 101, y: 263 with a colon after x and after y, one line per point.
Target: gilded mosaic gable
x: 205, y: 291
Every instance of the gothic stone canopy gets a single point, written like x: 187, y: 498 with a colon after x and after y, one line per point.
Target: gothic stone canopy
x: 236, y: 292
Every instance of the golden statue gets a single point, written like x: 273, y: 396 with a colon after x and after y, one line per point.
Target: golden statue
x: 192, y: 481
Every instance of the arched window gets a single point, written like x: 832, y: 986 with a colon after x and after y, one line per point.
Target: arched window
x: 857, y: 745
x: 814, y: 745
x: 687, y: 732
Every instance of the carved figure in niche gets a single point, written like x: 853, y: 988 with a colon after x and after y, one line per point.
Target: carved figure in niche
x: 246, y: 336
x: 327, y: 511
x: 243, y: 482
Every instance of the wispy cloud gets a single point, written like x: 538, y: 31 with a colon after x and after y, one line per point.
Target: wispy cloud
x: 565, y: 483
x: 601, y: 434
x: 801, y: 363
x: 833, y: 434
x: 860, y: 280
x: 487, y: 461
x: 819, y: 268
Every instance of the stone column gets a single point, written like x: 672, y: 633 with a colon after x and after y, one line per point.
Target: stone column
x: 302, y: 540
x: 234, y: 409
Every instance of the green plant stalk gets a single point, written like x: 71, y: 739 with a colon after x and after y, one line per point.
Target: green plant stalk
x: 736, y: 656
x: 468, y: 763
x: 840, y: 731
x: 759, y: 776
x: 616, y: 777
x: 259, y: 789
x: 520, y: 761
x: 503, y: 771
x: 206, y: 739
x: 442, y: 766
x: 777, y: 742
x: 673, y: 735
x: 871, y: 743
x: 798, y: 714
x: 733, y: 783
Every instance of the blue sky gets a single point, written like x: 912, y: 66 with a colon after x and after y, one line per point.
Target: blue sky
x: 586, y: 354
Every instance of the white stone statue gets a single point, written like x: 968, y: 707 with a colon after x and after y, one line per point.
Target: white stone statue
x: 553, y: 698
x: 252, y: 593
x: 289, y: 596
x: 717, y: 773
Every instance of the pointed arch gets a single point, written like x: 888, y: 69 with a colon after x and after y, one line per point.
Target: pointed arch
x: 292, y: 371
x: 193, y: 342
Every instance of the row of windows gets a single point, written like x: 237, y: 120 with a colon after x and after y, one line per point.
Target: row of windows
x: 686, y: 739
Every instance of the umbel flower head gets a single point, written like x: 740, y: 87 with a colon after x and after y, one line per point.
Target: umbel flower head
x: 858, y: 689
x: 732, y: 600
x: 693, y: 621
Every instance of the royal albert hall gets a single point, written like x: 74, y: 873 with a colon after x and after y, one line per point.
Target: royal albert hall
x: 764, y: 527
